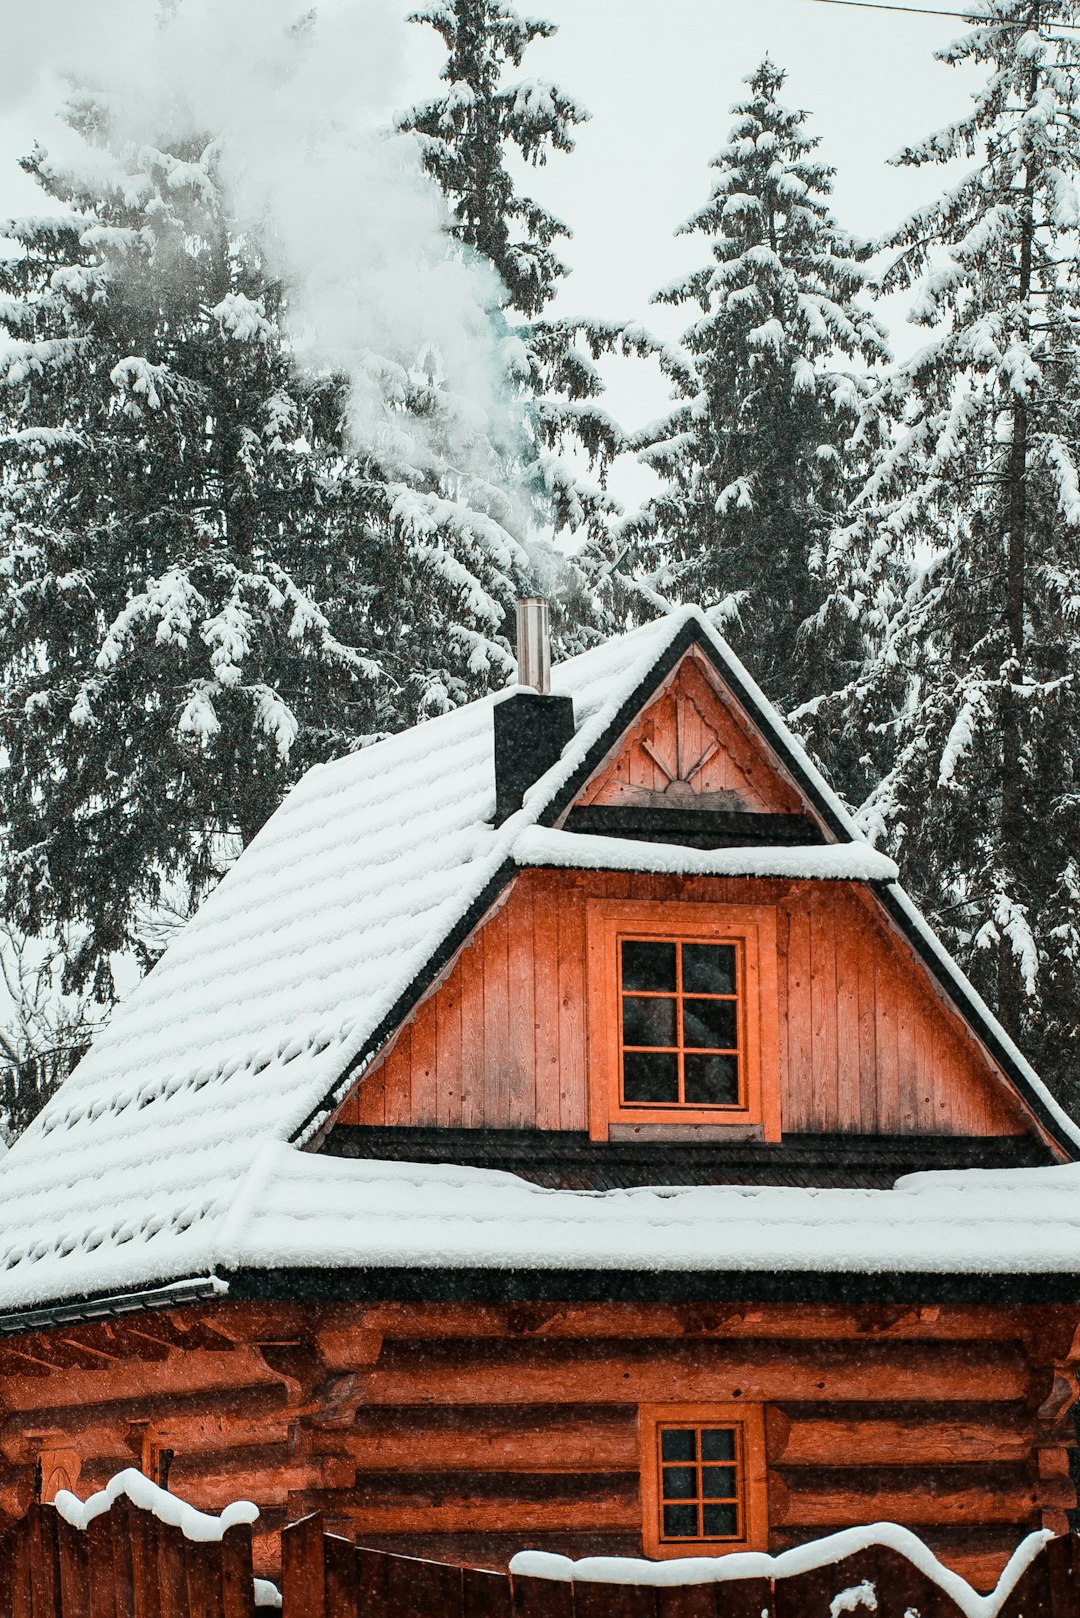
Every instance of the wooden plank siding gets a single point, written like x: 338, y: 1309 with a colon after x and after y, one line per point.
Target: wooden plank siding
x: 471, y: 1432
x: 866, y: 1045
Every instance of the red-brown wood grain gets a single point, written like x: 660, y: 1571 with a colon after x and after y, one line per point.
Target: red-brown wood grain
x: 865, y: 1042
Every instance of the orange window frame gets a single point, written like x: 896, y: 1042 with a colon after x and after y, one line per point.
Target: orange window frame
x: 748, y: 1424
x: 752, y: 930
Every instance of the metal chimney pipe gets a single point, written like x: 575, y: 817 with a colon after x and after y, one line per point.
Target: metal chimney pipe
x: 534, y: 643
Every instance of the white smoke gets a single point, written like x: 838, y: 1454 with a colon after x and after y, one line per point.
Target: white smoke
x: 301, y: 102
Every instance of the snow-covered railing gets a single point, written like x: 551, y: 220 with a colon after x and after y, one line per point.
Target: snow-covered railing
x: 131, y: 1551
x: 136, y: 1551
x: 878, y: 1572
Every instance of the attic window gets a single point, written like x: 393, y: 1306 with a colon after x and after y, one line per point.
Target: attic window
x: 682, y: 1011
x: 680, y: 1023
x: 703, y: 1473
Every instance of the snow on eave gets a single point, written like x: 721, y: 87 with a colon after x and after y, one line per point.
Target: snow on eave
x: 978, y: 1016
x: 835, y: 862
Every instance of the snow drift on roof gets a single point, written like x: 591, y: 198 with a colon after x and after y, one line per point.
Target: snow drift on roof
x: 302, y: 1209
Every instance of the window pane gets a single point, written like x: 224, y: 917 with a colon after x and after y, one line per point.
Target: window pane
x: 681, y: 1522
x: 719, y: 1522
x: 677, y: 1444
x: 708, y: 968
x: 680, y: 1483
x: 717, y: 1444
x: 647, y: 966
x: 650, y: 1077
x: 718, y: 1483
x: 711, y: 1081
x: 650, y: 1021
x: 710, y: 1024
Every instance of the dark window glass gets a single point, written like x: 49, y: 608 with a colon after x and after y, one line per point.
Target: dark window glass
x: 681, y: 1522
x: 650, y: 1021
x: 718, y: 1482
x: 708, y: 968
x: 711, y: 1081
x: 719, y: 1522
x: 699, y: 1483
x: 717, y: 1444
x: 680, y: 1483
x: 677, y: 1444
x: 648, y: 966
x: 710, y: 1024
x: 650, y: 1076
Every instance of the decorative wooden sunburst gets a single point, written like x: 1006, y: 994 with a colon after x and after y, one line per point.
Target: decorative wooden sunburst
x: 681, y: 770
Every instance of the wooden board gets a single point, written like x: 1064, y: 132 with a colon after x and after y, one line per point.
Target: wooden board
x: 864, y: 1044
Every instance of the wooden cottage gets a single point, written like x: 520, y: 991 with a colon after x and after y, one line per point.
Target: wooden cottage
x: 559, y: 1130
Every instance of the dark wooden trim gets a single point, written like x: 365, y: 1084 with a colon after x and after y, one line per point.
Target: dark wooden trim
x: 384, y: 1284
x: 109, y: 1306
x: 694, y: 828
x: 569, y: 1158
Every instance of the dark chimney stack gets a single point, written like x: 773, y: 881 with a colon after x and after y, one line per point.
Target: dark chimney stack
x: 531, y: 726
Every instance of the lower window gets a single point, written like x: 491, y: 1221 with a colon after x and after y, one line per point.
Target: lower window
x: 703, y: 1479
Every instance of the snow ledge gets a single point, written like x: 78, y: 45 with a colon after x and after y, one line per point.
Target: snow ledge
x: 830, y: 862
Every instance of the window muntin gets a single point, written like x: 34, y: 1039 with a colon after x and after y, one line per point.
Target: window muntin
x: 704, y: 1485
x: 747, y: 928
x: 680, y: 1015
x: 701, y: 1475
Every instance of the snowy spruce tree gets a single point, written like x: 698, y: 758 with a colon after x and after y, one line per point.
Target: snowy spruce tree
x: 753, y: 457
x: 960, y: 566
x: 470, y: 133
x: 166, y: 670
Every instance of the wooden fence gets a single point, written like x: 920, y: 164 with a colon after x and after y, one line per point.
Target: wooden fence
x: 128, y: 1564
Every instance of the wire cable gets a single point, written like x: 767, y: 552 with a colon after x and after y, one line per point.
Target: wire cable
x: 927, y: 11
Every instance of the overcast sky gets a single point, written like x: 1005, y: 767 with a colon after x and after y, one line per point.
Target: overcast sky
x: 659, y: 77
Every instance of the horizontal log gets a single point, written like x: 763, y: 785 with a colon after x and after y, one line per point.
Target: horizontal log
x: 935, y: 1438
x: 191, y: 1372
x: 267, y: 1486
x: 406, y: 1321
x: 839, y: 1497
x: 475, y: 1373
x: 618, y: 1513
x: 230, y: 1402
x: 378, y: 1420
x: 511, y: 1488
x: 566, y: 1448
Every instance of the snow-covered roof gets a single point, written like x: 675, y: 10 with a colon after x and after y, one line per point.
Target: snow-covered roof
x: 263, y: 1011
x: 305, y: 1210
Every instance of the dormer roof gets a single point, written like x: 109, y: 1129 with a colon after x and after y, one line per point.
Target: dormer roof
x: 264, y: 1011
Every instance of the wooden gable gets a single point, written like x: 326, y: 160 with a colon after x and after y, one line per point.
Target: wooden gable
x: 692, y: 748
x: 850, y: 1033
x: 865, y: 1045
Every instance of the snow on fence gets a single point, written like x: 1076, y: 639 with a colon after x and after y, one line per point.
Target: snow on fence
x: 135, y: 1551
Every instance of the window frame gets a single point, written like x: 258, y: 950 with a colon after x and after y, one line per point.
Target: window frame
x: 753, y: 1492
x: 752, y: 928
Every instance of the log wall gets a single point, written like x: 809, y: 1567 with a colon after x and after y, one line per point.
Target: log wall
x: 466, y: 1433
x: 866, y: 1045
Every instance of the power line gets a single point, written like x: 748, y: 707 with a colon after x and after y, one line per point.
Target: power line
x: 926, y: 11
